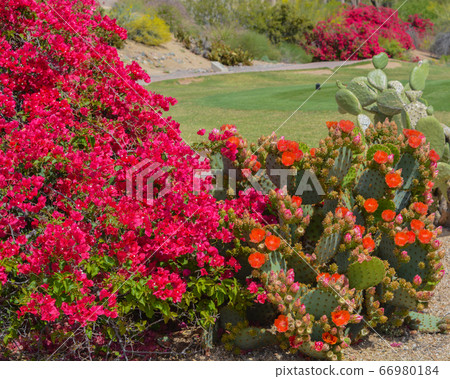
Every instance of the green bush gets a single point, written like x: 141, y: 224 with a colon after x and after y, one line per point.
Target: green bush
x: 224, y: 54
x: 293, y: 53
x: 258, y: 45
x: 392, y: 47
x: 284, y: 24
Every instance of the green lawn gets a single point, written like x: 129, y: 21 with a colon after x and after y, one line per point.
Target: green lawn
x: 259, y: 103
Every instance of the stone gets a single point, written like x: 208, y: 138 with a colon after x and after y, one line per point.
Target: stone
x: 218, y: 67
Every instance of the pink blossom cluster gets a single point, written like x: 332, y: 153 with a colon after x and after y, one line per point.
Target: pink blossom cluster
x: 354, y: 32
x: 73, y: 121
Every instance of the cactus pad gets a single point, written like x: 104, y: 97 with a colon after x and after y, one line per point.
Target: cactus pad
x: 360, y: 88
x: 380, y: 61
x: 319, y: 303
x: 418, y: 76
x: 378, y: 79
x: 434, y: 133
x: 427, y: 323
x: 327, y: 247
x: 275, y: 263
x: 342, y: 164
x: 366, y: 274
x: 348, y: 101
x: 371, y: 184
x: 410, y: 170
x: 253, y: 338
x: 390, y: 102
x: 403, y: 299
x: 409, y: 270
x: 415, y: 111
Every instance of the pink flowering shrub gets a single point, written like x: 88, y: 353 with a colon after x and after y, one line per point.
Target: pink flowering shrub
x: 342, y: 36
x: 74, y: 248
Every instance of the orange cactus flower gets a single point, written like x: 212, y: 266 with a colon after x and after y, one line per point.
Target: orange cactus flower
x: 415, y: 141
x: 381, y: 157
x: 388, y: 215
x: 434, y: 157
x: 281, y: 323
x: 329, y: 338
x: 368, y: 243
x: 370, y: 205
x: 340, y: 317
x: 346, y: 126
x: 417, y: 225
x: 297, y: 200
x: 425, y: 236
x: 288, y: 158
x: 343, y: 210
x: 292, y: 146
x: 336, y: 277
x: 272, y: 242
x: 256, y: 260
x: 234, y: 141
x: 282, y: 145
x: 312, y: 152
x: 413, y: 133
x: 394, y: 180
x: 298, y: 155
x: 257, y: 235
x: 401, y: 239
x: 324, y: 275
x: 226, y: 127
x: 331, y: 124
x: 411, y: 236
x: 420, y: 207
x: 256, y: 166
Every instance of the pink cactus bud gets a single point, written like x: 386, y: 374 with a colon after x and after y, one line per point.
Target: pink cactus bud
x: 324, y: 318
x: 287, y: 214
x: 417, y: 280
x: 404, y: 254
x: 278, y: 298
x: 391, y: 158
x: 436, y: 244
x: 290, y: 277
x: 318, y: 345
x: 294, y: 288
x: 281, y: 308
x: 348, y: 238
x: 399, y: 219
x: 299, y: 213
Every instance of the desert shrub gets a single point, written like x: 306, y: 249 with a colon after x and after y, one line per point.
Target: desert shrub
x: 149, y: 30
x: 441, y: 45
x: 211, y: 12
x: 142, y: 24
x: 284, y: 24
x: 258, y: 45
x: 392, y: 47
x: 224, y: 54
x: 343, y: 36
x: 80, y: 255
x: 317, y: 10
x: 293, y: 53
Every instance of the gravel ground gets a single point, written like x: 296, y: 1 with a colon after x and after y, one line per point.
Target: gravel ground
x: 414, y: 346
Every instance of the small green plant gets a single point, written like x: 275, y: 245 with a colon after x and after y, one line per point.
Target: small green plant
x: 226, y: 55
x: 392, y: 47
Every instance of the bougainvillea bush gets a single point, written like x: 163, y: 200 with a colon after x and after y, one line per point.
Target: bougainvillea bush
x: 354, y: 33
x: 78, y: 256
x: 345, y: 242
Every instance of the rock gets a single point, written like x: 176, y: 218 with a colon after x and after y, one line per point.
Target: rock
x: 218, y: 67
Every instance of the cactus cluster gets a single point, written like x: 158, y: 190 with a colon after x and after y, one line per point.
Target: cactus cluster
x: 346, y: 241
x: 375, y: 95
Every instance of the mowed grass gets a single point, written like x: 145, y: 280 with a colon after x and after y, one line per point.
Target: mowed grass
x: 285, y: 101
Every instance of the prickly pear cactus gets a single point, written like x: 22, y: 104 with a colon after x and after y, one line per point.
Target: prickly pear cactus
x: 404, y: 105
x: 347, y: 242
